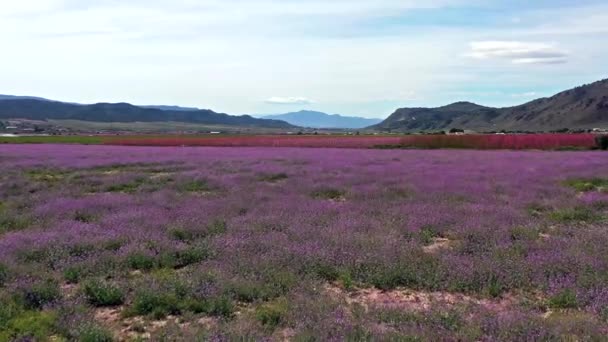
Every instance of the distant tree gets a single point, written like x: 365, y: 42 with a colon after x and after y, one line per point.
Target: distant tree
x: 602, y: 142
x: 456, y: 130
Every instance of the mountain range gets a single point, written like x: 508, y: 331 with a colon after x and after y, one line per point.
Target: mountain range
x: 172, y: 108
x: 43, y: 109
x: 312, y: 119
x: 13, y: 97
x: 583, y: 107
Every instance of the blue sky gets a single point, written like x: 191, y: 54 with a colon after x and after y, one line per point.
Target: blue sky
x: 357, y: 57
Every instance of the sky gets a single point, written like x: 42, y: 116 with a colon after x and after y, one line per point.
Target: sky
x: 356, y: 57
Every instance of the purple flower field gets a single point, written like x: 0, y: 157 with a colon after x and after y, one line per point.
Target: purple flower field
x: 104, y: 243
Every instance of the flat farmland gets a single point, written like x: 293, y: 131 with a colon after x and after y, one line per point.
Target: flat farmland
x: 539, y: 141
x: 102, y: 243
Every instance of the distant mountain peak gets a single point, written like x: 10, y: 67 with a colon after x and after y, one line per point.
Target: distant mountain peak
x: 315, y: 119
x: 462, y: 105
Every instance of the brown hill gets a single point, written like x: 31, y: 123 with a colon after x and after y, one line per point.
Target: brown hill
x: 584, y: 107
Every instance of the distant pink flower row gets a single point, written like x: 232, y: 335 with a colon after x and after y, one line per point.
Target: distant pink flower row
x: 515, y: 142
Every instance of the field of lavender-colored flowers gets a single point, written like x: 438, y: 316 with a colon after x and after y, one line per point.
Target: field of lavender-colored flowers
x: 103, y: 243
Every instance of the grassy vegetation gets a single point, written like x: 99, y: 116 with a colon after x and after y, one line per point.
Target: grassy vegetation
x: 272, y: 314
x: 254, y: 137
x: 273, y: 177
x: 358, y: 245
x: 167, y: 294
x: 11, y: 220
x: 90, y: 332
x: 328, y: 193
x: 576, y: 214
x: 428, y: 234
x: 26, y: 325
x: 588, y: 184
x: 101, y: 293
x: 565, y: 299
x: 53, y: 139
x: 197, y: 185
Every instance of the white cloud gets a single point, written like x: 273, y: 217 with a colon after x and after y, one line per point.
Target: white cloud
x: 12, y: 8
x: 527, y: 94
x: 352, y: 56
x: 289, y: 101
x: 518, y: 52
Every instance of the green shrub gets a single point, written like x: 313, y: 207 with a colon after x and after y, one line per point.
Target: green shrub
x: 38, y: 295
x: 100, y: 293
x: 168, y: 259
x: 427, y: 234
x: 602, y: 142
x: 130, y: 187
x: 84, y: 217
x: 113, y: 245
x: 346, y: 280
x: 90, y: 332
x: 271, y: 315
x: 29, y: 325
x: 80, y: 249
x: 156, y: 303
x: 4, y: 274
x: 9, y: 309
x: 73, y: 274
x: 450, y: 320
x: 278, y: 283
x: 397, y: 317
x: 221, y: 306
x: 328, y: 193
x: 182, y: 258
x: 217, y: 227
x: 273, y: 177
x: 419, y: 271
x: 494, y: 287
x: 10, y: 221
x: 391, y: 277
x: 199, y: 185
x: 536, y: 209
x: 588, y: 184
x: 359, y: 334
x: 140, y: 261
x: 604, y: 314
x: 577, y: 214
x: 245, y: 291
x: 181, y: 234
x: 565, y: 299
x: 324, y: 270
x: 521, y: 233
